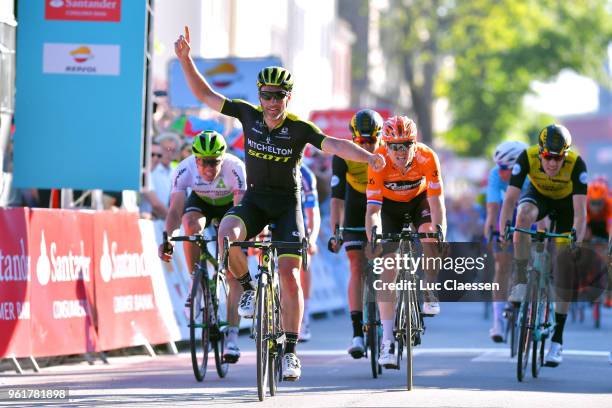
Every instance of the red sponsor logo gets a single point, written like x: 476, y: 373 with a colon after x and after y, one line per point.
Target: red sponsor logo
x: 83, y: 10
x: 81, y: 54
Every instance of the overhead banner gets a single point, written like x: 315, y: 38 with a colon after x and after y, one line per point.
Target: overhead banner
x: 62, y: 285
x: 80, y: 109
x: 235, y: 78
x: 128, y: 312
x: 15, y: 311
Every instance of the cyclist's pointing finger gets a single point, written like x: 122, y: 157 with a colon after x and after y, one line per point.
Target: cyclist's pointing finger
x: 187, y: 33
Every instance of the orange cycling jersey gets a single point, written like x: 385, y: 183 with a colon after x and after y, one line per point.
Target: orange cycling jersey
x: 423, y: 174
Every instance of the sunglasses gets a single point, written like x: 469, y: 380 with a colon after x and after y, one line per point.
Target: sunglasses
x: 277, y: 96
x: 554, y: 157
x: 399, y: 147
x: 158, y: 155
x: 364, y: 140
x: 208, y: 162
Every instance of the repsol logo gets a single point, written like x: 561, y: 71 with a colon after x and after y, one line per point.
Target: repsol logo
x: 268, y: 156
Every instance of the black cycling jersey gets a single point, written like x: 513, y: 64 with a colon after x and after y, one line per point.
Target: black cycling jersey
x: 273, y: 157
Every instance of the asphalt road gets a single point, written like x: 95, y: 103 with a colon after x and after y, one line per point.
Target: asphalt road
x: 456, y: 366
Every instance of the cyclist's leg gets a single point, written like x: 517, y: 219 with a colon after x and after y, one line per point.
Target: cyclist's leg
x: 354, y: 217
x: 565, y: 278
x: 531, y: 208
x: 392, y: 218
x: 194, y: 220
x: 290, y: 228
x: 421, y: 218
x: 241, y: 222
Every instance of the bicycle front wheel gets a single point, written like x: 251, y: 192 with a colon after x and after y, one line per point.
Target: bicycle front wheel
x: 373, y: 338
x: 261, y: 337
x: 409, y: 310
x: 199, y: 324
x: 221, y: 326
x: 275, y: 353
x: 525, y: 335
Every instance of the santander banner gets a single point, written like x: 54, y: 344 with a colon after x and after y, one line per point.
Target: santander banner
x: 126, y: 303
x: 14, y: 283
x: 83, y: 10
x: 62, y: 292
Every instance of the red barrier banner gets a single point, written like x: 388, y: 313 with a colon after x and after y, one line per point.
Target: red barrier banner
x: 125, y: 301
x: 62, y: 292
x: 100, y: 10
x: 14, y: 283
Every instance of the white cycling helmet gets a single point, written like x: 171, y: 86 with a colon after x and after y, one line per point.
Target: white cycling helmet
x: 507, y: 152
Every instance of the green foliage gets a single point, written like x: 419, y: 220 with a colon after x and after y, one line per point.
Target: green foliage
x: 496, y: 50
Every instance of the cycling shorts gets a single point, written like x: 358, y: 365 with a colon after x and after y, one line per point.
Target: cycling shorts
x: 211, y: 212
x: 393, y: 213
x: 354, y: 217
x: 563, y: 208
x: 258, y: 209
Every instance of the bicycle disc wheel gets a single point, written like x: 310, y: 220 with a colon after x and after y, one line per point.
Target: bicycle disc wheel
x: 261, y: 335
x: 221, y: 326
x: 525, y: 334
x: 199, y: 329
x: 373, y: 338
x: 409, y: 323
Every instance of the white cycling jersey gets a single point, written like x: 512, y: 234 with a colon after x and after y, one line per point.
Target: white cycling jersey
x: 220, y: 191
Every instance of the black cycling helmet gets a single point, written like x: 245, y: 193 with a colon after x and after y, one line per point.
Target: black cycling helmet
x: 555, y: 140
x: 366, y: 124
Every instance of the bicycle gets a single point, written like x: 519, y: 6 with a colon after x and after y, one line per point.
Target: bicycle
x: 537, y: 309
x: 372, y: 327
x: 267, y: 328
x: 206, y: 321
x: 409, y: 325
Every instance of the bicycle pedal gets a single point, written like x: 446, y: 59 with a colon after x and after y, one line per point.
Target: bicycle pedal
x: 391, y: 366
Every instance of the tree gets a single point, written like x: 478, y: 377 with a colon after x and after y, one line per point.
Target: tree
x: 497, y: 49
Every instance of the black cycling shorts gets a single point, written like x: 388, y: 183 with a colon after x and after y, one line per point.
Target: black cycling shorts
x: 354, y: 217
x: 256, y: 210
x: 211, y: 212
x: 393, y: 213
x: 563, y: 208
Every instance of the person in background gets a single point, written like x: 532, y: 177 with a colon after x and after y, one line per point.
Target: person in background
x: 161, y: 176
x: 312, y: 224
x: 151, y: 206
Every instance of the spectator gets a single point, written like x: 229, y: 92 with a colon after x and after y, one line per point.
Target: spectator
x: 151, y: 206
x: 161, y: 176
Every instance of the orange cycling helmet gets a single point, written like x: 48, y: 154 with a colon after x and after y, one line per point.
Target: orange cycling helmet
x: 399, y: 129
x: 597, y: 189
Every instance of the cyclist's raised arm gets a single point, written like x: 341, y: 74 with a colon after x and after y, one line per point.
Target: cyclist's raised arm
x: 197, y: 83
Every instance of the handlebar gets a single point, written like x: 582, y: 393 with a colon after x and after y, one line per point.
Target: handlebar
x: 539, y: 235
x: 195, y: 238
x: 406, y: 234
x: 337, y: 237
x: 303, y: 245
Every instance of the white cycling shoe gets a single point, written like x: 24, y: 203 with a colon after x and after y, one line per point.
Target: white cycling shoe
x: 231, y: 352
x: 431, y: 308
x: 357, y: 348
x: 387, y: 357
x: 554, y: 357
x: 292, y: 369
x: 246, y: 306
x: 497, y: 331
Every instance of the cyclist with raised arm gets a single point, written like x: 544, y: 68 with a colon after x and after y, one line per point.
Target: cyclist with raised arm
x: 504, y: 157
x: 217, y: 182
x: 312, y: 225
x: 348, y: 207
x: 409, y: 184
x: 558, y: 182
x: 274, y: 145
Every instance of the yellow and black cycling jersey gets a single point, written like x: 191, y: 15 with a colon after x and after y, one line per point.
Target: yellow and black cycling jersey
x: 571, y: 179
x: 347, y: 171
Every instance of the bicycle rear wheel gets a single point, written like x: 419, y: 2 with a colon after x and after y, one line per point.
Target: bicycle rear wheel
x: 538, y: 340
x: 221, y: 326
x: 261, y: 336
x: 512, y: 320
x: 525, y: 335
x: 199, y: 324
x: 275, y: 357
